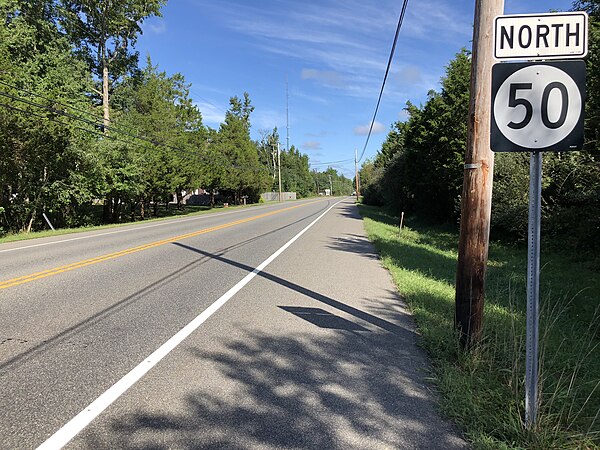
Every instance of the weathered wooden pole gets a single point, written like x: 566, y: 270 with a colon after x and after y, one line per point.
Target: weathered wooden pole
x: 356, y: 174
x: 478, y: 179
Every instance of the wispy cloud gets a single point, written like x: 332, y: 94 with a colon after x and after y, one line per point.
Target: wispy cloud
x: 319, y: 134
x: 303, y: 95
x: 155, y: 26
x: 312, y: 145
x: 363, y: 130
x: 326, y: 77
x: 410, y: 75
x: 435, y: 20
x: 267, y: 119
x: 344, y: 44
x: 211, y: 114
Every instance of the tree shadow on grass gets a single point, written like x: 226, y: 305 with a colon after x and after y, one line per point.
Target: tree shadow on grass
x: 442, y: 237
x: 408, y: 256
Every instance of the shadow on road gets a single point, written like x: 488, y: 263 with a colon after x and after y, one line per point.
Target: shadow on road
x: 134, y: 298
x: 374, y: 320
x: 348, y: 210
x: 341, y: 386
x: 337, y: 391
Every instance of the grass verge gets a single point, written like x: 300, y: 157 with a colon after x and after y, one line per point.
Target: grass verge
x: 483, y: 391
x: 163, y: 215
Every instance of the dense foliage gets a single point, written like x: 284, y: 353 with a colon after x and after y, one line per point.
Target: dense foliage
x: 68, y: 152
x: 419, y: 168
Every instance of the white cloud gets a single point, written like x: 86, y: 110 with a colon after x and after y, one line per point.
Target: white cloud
x: 312, y: 145
x: 326, y: 77
x: 319, y: 134
x: 363, y: 130
x: 303, y: 95
x: 156, y: 26
x: 447, y: 22
x: 344, y: 44
x: 410, y: 75
x: 266, y: 119
x: 210, y: 113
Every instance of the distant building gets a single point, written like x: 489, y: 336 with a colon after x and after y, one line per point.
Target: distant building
x: 274, y: 196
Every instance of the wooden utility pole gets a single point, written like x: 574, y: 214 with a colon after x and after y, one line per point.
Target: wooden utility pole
x: 279, y: 169
x: 356, y: 174
x: 478, y: 179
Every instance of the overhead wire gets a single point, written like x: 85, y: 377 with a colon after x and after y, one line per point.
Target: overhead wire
x: 387, y: 70
x: 87, y: 130
x: 97, y: 124
x: 200, y: 157
x: 331, y: 162
x: 87, y: 113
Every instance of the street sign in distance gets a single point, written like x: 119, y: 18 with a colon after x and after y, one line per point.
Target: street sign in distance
x: 537, y: 106
x: 541, y: 36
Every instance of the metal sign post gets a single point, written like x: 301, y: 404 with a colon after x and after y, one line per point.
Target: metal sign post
x: 533, y: 288
x: 536, y: 107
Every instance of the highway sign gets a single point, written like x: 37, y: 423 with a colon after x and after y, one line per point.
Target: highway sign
x: 537, y: 106
x: 541, y: 36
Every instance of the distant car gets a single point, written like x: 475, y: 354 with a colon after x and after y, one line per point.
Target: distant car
x: 354, y: 193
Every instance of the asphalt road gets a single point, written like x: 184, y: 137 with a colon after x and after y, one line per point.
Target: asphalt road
x: 112, y: 339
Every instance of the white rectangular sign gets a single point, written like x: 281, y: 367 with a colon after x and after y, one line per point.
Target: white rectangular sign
x: 541, y: 36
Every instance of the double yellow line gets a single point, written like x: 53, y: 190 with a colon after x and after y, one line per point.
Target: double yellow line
x: 98, y: 259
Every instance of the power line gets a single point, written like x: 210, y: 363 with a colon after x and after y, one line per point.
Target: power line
x: 87, y: 130
x: 98, y: 125
x: 87, y: 113
x: 199, y: 157
x: 387, y: 70
x: 98, y: 122
x: 331, y: 162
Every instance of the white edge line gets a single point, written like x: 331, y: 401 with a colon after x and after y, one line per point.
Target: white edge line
x: 132, y: 228
x: 68, y: 431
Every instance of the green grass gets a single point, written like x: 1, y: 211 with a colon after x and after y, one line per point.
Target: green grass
x: 483, y: 391
x: 163, y: 215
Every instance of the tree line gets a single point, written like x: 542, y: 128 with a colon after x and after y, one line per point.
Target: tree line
x: 419, y: 168
x: 89, y: 135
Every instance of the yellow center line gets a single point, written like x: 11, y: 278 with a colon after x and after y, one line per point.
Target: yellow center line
x: 98, y: 259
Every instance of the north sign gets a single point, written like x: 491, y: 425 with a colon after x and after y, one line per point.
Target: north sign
x: 537, y: 106
x: 541, y: 36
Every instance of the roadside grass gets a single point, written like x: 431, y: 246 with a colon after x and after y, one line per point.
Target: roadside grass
x: 483, y: 391
x: 163, y: 215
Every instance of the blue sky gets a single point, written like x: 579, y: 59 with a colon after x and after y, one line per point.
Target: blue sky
x: 332, y: 52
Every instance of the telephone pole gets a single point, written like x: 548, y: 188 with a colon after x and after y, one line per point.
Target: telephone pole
x: 478, y: 179
x: 330, y: 186
x: 287, y: 115
x: 356, y: 173
x: 279, y: 168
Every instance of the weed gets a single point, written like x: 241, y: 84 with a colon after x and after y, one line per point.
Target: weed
x: 483, y: 390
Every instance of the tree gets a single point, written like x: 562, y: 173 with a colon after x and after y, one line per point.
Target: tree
x: 242, y: 174
x: 421, y: 159
x: 44, y: 162
x: 267, y: 153
x: 158, y: 108
x: 295, y: 172
x: 104, y: 32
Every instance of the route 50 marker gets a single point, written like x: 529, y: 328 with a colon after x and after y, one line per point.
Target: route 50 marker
x: 537, y: 106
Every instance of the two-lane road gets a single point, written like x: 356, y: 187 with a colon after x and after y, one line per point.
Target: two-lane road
x: 189, y: 333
